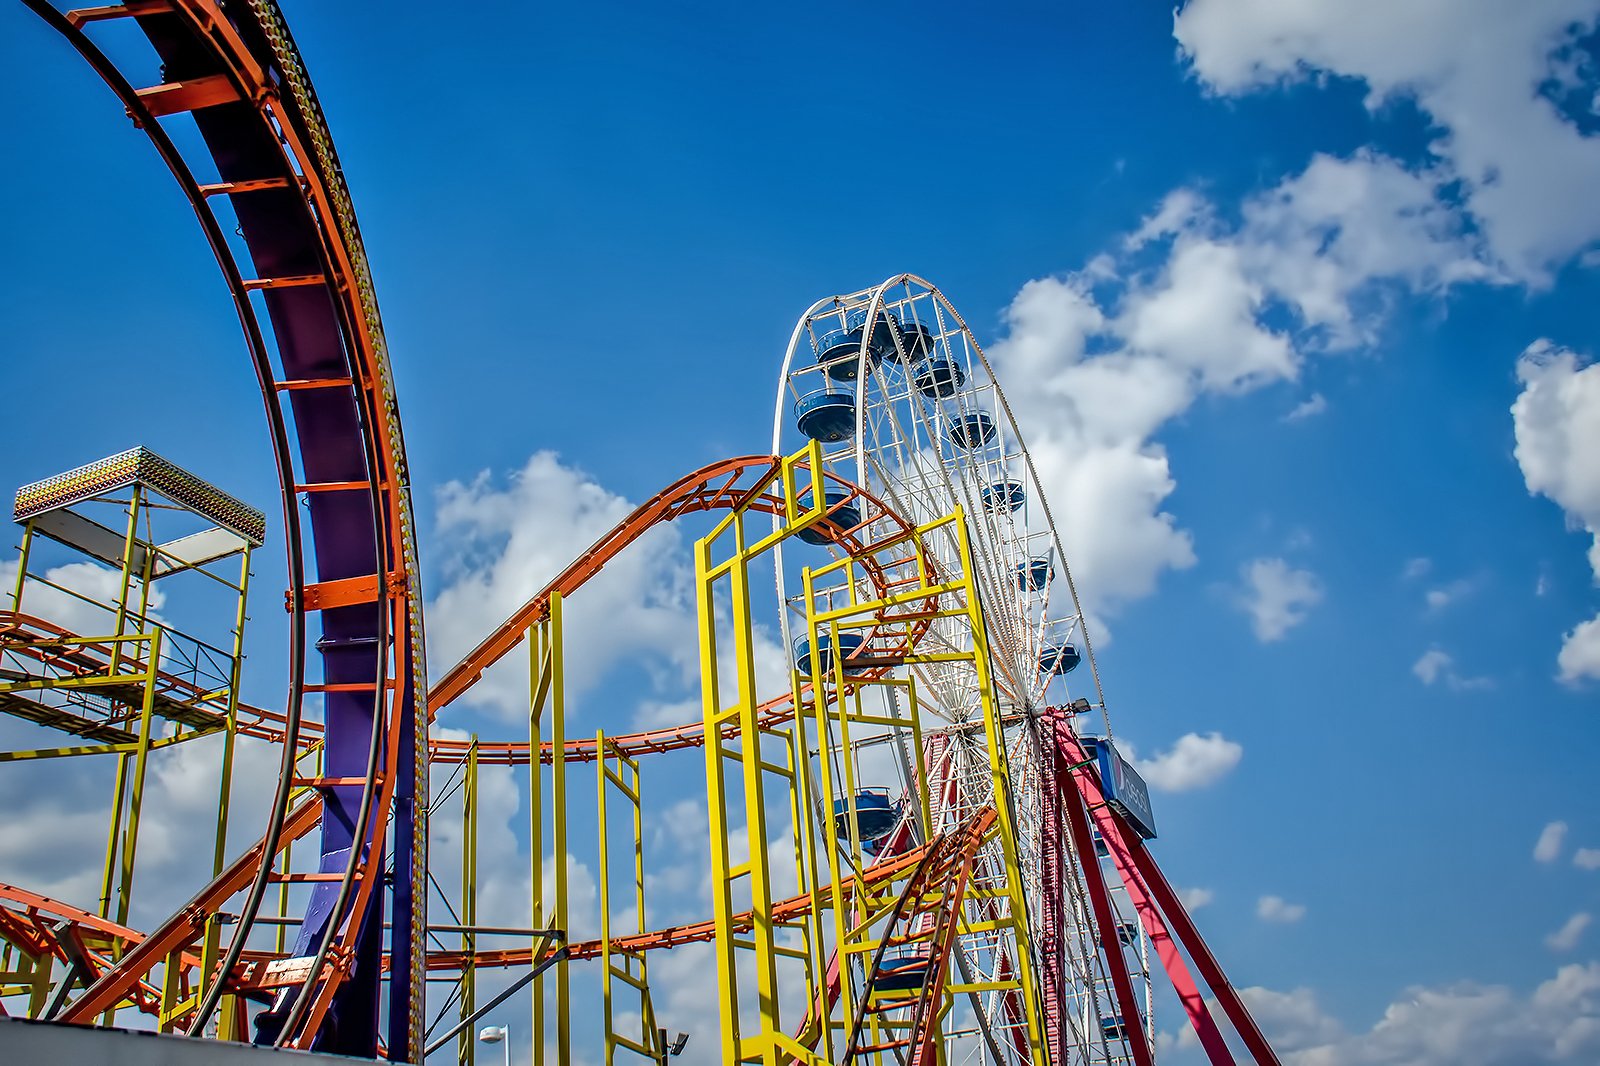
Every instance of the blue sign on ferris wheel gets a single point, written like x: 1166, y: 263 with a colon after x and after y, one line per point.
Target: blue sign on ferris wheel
x: 1124, y: 789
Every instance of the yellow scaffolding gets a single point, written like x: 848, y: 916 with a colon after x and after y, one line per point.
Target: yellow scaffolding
x: 811, y: 760
x: 114, y: 691
x: 547, y: 726
x: 618, y: 964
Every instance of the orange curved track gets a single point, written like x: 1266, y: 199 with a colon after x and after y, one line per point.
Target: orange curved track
x: 334, y: 423
x: 721, y: 485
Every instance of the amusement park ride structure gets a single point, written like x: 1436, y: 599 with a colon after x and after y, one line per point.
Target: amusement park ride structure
x: 924, y: 845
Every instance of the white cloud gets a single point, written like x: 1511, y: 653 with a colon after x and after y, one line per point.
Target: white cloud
x: 1519, y: 166
x: 1579, y: 657
x: 1586, y: 858
x: 1557, y: 423
x: 1195, y: 898
x: 1432, y: 664
x: 511, y: 539
x: 1192, y: 306
x: 1278, y: 910
x: 1464, y: 1024
x: 1566, y: 938
x: 1201, y: 314
x: 1277, y: 597
x: 1415, y: 568
x: 1292, y: 1020
x: 1308, y: 408
x: 92, y: 580
x: 1551, y: 838
x: 1195, y: 761
x: 1443, y: 596
x: 1178, y: 212
x: 1322, y: 238
x: 1436, y: 664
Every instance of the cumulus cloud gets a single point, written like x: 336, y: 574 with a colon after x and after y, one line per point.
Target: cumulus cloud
x: 1278, y: 910
x: 90, y: 581
x: 1195, y: 898
x: 1443, y: 596
x: 510, y: 536
x: 1333, y: 241
x: 1415, y: 568
x: 1192, y: 305
x: 1276, y: 596
x: 1195, y: 761
x: 1308, y: 408
x: 1586, y: 858
x: 1507, y: 152
x: 1432, y: 664
x: 1178, y: 211
x: 1566, y: 938
x: 1557, y: 423
x: 1436, y: 664
x: 1579, y: 657
x: 1464, y: 1024
x: 1548, y: 847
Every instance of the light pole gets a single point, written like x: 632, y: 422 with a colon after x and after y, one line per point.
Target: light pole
x: 497, y: 1034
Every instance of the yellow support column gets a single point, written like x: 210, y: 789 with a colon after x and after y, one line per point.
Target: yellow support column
x: 130, y: 836
x: 1006, y: 823
x: 466, y: 1043
x: 546, y: 686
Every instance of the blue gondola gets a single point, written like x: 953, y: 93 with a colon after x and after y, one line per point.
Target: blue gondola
x: 826, y: 416
x: 1059, y: 659
x: 902, y: 973
x: 1112, y: 1028
x: 938, y: 376
x: 840, y: 353
x: 1128, y: 932
x: 875, y: 815
x: 916, y: 340
x: 972, y: 431
x: 884, y: 329
x: 1005, y: 495
x: 841, y: 515
x: 848, y: 643
x: 1035, y: 574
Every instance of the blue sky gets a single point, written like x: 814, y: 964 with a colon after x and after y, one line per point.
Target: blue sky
x: 1295, y: 301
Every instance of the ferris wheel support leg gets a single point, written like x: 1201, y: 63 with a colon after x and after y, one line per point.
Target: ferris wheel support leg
x: 1105, y: 918
x: 1119, y: 843
x: 1167, y: 899
x: 1194, y: 1004
x: 1141, y: 874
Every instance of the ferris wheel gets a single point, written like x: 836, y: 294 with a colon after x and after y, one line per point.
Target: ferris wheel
x: 893, y: 385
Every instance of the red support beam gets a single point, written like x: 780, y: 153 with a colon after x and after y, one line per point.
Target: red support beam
x: 1166, y: 900
x: 1117, y: 839
x: 1204, y: 961
x: 1100, y: 901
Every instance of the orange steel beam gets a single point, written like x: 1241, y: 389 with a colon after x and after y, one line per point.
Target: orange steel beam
x: 699, y: 932
x: 693, y: 492
x: 178, y: 96
x: 187, y: 925
x: 94, y: 656
x: 509, y: 634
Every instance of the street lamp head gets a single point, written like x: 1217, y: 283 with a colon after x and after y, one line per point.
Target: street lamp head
x: 679, y: 1044
x: 492, y: 1034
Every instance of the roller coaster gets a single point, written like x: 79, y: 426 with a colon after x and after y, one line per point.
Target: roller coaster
x: 924, y: 844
